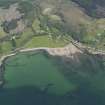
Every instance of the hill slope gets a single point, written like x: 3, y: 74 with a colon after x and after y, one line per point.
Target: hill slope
x: 95, y: 8
x: 82, y: 20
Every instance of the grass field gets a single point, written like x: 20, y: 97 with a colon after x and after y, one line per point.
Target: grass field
x: 45, y: 41
x: 2, y: 33
x: 28, y: 40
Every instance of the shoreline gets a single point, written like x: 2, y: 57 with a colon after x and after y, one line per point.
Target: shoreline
x: 67, y: 51
x: 60, y: 51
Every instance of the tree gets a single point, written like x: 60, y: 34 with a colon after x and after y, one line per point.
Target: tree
x: 30, y: 12
x: 79, y: 36
x: 13, y: 42
x: 9, y: 25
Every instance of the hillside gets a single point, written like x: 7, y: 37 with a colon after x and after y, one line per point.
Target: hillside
x: 94, y: 8
x: 36, y: 23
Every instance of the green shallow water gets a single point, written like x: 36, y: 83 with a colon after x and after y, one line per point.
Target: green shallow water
x: 36, y: 70
x: 35, y: 79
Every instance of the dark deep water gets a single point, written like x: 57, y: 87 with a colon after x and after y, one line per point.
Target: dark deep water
x: 34, y: 79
